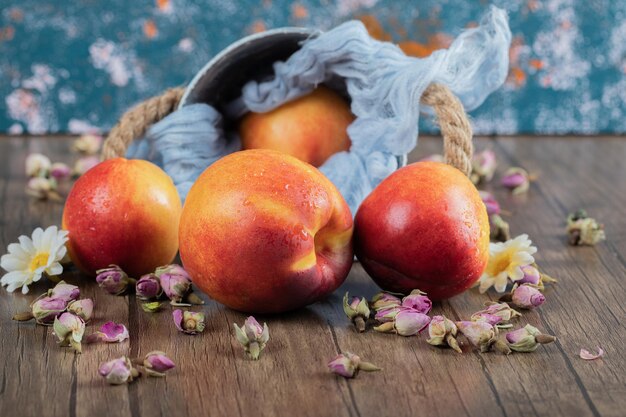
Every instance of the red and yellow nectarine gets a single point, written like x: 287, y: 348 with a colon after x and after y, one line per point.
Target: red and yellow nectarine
x: 264, y: 232
x: 423, y: 227
x: 122, y: 212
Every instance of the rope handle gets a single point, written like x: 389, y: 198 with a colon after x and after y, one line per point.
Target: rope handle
x: 451, y: 117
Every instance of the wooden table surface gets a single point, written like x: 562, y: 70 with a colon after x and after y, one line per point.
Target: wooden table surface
x: 212, y: 377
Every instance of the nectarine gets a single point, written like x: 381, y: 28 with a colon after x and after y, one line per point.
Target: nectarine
x: 264, y: 232
x: 423, y: 227
x: 311, y: 128
x: 122, y: 212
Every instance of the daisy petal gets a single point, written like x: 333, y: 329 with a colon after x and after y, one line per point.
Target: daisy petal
x: 588, y: 356
x: 37, y: 237
x: 54, y: 269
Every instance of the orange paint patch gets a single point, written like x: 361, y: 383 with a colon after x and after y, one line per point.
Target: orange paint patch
x: 374, y: 27
x: 7, y: 33
x: 150, y: 29
x: 517, y: 77
x: 421, y: 50
x: 258, y: 26
x: 16, y: 14
x: 298, y: 11
x: 536, y: 64
x: 164, y: 5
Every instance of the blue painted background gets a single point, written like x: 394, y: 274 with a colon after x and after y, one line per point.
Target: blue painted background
x: 75, y: 65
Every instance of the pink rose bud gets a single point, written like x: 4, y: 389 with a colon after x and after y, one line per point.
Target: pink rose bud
x: 148, y: 287
x: 118, y: 371
x: 418, y: 301
x: 489, y: 318
x: 37, y: 165
x: 82, y: 308
x: 113, y: 280
x: 110, y: 332
x: 517, y: 180
x: 527, y: 296
x: 387, y: 315
x: 85, y: 164
x: 483, y: 166
x: 527, y: 339
x: 60, y: 171
x: 252, y: 336
x: 188, y: 321
x: 479, y: 333
x: 348, y: 365
x: 69, y: 329
x: 67, y: 292
x: 410, y: 322
x: 357, y: 311
x: 531, y: 275
x: 492, y: 205
x: 157, y: 363
x: 175, y: 281
x: 384, y: 300
x: 442, y: 332
x: 46, y: 309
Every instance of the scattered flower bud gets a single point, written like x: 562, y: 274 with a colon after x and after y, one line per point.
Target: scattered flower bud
x: 495, y: 313
x: 152, y: 307
x: 483, y: 166
x: 69, y: 329
x: 188, y: 321
x: 65, y: 291
x: 491, y: 204
x: 433, y: 158
x: 384, y: 300
x: 175, y: 281
x: 357, y: 310
x: 84, y: 164
x: 479, y: 333
x: 82, y: 308
x: 118, y: 371
x: 43, y: 189
x: 113, y: 280
x: 418, y: 301
x: 60, y: 171
x: 442, y: 332
x: 499, y: 229
x: 252, y: 337
x: 44, y: 310
x: 37, y: 165
x: 387, y: 315
x: 157, y: 363
x: 531, y: 275
x: 527, y: 339
x: 148, y: 287
x: 584, y: 230
x: 527, y: 296
x: 88, y: 144
x: 348, y: 365
x: 406, y: 322
x: 588, y: 356
x: 110, y: 332
x: 516, y: 180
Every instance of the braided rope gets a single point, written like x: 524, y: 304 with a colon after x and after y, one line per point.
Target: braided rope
x: 455, y: 127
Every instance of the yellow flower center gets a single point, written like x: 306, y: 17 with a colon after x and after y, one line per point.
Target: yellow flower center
x: 499, y: 263
x: 41, y: 259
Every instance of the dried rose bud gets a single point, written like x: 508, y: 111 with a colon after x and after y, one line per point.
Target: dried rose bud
x: 82, y: 308
x: 348, y: 365
x: 489, y: 318
x: 118, y: 371
x: 531, y: 275
x: 44, y: 310
x: 148, y: 286
x: 387, y: 315
x: 113, y: 280
x: 527, y: 339
x: 69, y: 329
x: 88, y: 144
x: 152, y: 307
x: 43, y: 189
x: 406, y: 322
x: 516, y: 180
x: 188, y: 321
x: 84, y: 164
x: 175, y: 281
x: 491, y: 204
x: 37, y: 165
x: 252, y: 336
x: 384, y: 300
x: 110, y: 332
x: 357, y: 310
x: 584, y: 230
x: 65, y: 291
x: 495, y: 313
x: 479, y: 333
x: 418, y: 301
x: 60, y: 171
x: 156, y: 363
x: 442, y: 332
x: 483, y: 166
x: 527, y: 296
x: 499, y: 229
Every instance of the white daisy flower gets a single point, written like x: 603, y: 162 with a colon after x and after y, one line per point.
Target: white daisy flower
x: 28, y: 260
x: 506, y: 260
x: 37, y: 164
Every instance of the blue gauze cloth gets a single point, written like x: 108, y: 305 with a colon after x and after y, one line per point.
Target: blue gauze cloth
x: 384, y: 85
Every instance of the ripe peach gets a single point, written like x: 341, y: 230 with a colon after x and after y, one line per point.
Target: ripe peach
x: 424, y: 227
x: 264, y: 232
x: 311, y: 128
x: 123, y: 212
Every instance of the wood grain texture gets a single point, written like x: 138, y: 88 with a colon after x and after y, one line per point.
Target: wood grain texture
x: 212, y: 378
